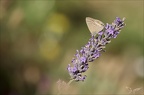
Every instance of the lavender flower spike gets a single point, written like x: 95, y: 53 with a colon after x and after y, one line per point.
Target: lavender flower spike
x: 93, y: 49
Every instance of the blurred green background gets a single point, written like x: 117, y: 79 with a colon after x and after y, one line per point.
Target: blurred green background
x: 38, y: 39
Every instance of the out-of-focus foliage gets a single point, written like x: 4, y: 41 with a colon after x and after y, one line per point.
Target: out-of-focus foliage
x: 38, y: 39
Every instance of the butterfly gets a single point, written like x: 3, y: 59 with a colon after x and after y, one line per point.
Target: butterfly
x: 94, y: 25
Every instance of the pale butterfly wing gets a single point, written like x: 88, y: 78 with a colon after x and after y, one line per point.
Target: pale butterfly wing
x: 94, y: 25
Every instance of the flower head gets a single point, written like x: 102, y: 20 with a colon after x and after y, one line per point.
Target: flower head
x: 93, y: 49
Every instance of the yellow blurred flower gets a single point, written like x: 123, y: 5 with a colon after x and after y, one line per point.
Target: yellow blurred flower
x: 58, y: 23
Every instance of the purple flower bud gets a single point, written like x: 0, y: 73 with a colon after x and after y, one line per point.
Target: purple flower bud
x: 83, y: 59
x: 119, y: 22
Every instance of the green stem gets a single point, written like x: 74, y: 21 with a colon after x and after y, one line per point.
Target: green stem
x: 70, y: 82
